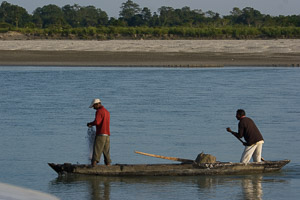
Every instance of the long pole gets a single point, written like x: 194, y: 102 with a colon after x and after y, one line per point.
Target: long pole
x: 165, y: 157
x: 244, y: 143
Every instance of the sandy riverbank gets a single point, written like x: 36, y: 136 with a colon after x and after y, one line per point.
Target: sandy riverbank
x: 184, y: 53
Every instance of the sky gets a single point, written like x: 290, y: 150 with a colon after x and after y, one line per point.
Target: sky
x: 223, y: 7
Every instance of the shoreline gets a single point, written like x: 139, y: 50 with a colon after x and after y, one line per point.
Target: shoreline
x: 145, y: 59
x: 157, y: 53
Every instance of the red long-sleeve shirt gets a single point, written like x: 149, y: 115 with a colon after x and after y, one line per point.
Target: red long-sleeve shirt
x: 102, y: 121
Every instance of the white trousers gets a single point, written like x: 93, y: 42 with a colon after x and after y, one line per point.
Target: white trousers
x: 252, y: 151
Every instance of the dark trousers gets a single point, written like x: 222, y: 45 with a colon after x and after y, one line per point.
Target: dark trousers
x: 101, y: 145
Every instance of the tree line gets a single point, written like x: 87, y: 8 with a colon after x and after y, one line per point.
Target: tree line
x: 137, y: 22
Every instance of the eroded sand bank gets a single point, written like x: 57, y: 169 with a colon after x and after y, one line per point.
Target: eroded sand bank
x: 184, y: 53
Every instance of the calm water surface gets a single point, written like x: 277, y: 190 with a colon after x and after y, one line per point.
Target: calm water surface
x: 172, y: 112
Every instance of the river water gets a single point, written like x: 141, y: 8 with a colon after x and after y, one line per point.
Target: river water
x: 172, y: 112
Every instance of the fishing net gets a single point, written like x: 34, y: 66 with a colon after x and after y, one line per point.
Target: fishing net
x: 205, y: 158
x: 91, y: 133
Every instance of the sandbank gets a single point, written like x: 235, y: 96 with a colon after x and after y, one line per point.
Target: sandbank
x: 148, y: 53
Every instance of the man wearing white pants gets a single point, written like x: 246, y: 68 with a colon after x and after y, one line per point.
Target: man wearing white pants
x: 252, y: 151
x: 252, y: 136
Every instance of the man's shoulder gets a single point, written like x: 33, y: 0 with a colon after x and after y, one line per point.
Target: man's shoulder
x: 102, y: 109
x: 245, y: 120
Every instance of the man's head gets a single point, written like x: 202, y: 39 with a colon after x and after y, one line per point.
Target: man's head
x: 240, y: 113
x: 96, y: 103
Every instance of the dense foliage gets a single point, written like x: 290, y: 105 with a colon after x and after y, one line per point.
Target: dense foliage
x: 136, y: 22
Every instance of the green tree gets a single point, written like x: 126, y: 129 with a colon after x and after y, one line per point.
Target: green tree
x: 166, y: 16
x: 71, y: 14
x: 213, y: 18
x: 102, y: 17
x: 129, y: 9
x: 235, y: 14
x: 13, y: 14
x: 198, y: 17
x: 49, y: 15
x: 269, y: 21
x: 180, y: 17
x: 136, y: 20
x: 90, y: 16
x: 140, y: 19
x: 250, y: 16
x: 146, y: 15
x: 116, y: 22
x: 154, y: 21
x: 186, y: 16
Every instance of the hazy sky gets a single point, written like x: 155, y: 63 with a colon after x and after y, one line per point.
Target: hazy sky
x: 112, y: 7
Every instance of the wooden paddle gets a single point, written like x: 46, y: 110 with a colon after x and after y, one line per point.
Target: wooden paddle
x: 165, y: 157
x: 244, y: 143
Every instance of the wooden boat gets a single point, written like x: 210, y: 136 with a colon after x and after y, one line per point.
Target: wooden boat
x: 186, y: 168
x: 183, y: 169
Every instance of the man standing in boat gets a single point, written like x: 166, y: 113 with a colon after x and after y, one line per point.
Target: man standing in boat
x: 102, y: 139
x: 252, y: 136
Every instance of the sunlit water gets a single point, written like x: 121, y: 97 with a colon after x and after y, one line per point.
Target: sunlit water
x: 172, y: 112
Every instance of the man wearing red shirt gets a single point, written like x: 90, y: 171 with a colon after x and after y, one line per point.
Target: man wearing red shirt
x: 102, y: 139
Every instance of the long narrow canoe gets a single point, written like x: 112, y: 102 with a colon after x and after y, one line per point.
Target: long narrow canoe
x: 184, y: 169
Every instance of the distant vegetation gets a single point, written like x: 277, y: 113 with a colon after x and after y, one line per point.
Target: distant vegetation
x: 134, y: 22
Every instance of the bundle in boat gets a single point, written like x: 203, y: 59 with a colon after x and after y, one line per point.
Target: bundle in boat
x: 205, y: 158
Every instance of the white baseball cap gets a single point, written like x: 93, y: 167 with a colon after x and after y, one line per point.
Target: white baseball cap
x: 95, y: 101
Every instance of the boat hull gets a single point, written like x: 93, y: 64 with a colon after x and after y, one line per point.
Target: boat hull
x: 219, y: 168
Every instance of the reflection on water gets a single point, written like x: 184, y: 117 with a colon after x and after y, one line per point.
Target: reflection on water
x: 98, y: 187
x: 252, y: 188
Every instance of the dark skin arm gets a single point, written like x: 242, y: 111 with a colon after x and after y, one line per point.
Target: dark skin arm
x: 235, y: 134
x: 95, y: 106
x: 229, y: 130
